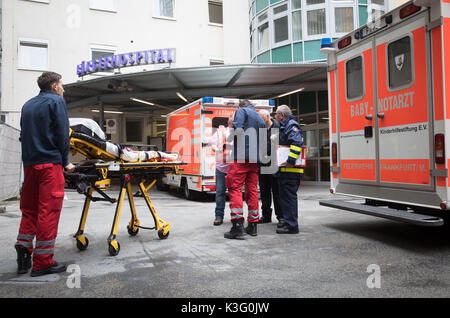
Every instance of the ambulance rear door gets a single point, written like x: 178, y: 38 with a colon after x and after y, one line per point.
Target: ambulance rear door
x: 355, y: 114
x: 404, y: 105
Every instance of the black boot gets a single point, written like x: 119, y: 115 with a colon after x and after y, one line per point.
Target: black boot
x: 23, y: 260
x: 237, y: 230
x: 251, y: 228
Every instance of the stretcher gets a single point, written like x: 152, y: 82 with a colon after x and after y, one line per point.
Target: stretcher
x: 103, y: 164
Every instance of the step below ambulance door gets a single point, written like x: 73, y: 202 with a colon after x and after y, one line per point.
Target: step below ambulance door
x: 356, y: 121
x: 403, y: 106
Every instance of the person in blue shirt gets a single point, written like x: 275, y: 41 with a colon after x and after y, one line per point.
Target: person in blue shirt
x: 45, y: 149
x: 243, y: 170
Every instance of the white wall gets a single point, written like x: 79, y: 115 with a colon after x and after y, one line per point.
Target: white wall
x: 71, y: 28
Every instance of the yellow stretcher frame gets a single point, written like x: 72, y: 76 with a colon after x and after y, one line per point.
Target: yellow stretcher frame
x: 96, y: 175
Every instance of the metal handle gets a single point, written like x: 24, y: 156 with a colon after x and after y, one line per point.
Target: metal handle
x: 380, y: 115
x: 369, y: 117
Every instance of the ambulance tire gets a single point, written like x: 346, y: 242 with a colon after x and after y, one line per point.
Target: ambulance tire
x: 188, y: 193
x: 161, y: 186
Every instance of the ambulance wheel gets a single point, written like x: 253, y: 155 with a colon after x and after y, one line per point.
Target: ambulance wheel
x: 131, y: 232
x: 112, y: 250
x: 161, y: 234
x: 82, y: 246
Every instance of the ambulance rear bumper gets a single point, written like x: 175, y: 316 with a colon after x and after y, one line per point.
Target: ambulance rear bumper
x: 387, y: 213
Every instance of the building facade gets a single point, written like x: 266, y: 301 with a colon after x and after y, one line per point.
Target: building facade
x: 290, y: 31
x: 68, y: 36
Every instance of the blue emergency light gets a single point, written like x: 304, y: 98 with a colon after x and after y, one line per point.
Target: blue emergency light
x: 325, y: 42
x: 208, y: 99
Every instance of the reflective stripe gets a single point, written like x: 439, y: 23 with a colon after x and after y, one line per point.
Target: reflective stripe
x: 25, y: 244
x: 43, y: 251
x: 299, y: 149
x: 237, y: 210
x: 293, y: 155
x: 297, y: 170
x: 28, y: 237
x: 45, y: 243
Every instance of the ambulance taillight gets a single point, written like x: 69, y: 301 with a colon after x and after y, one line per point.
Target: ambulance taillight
x: 408, y: 10
x: 334, y: 152
x: 439, y: 149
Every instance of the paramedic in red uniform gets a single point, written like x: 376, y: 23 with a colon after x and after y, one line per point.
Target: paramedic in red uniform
x: 45, y: 148
x: 243, y: 170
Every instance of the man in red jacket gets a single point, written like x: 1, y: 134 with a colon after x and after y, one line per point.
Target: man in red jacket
x: 45, y: 148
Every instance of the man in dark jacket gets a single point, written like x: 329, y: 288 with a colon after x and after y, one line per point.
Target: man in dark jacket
x: 45, y: 148
x: 289, y: 174
x: 243, y: 170
x: 268, y: 182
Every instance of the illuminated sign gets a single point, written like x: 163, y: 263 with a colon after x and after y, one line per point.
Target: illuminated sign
x: 156, y: 56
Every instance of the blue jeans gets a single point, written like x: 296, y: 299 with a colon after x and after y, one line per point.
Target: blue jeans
x: 220, y: 194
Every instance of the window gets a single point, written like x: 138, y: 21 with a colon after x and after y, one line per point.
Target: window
x: 280, y: 23
x: 263, y: 37
x: 316, y: 20
x: 164, y: 8
x: 215, y: 12
x: 134, y: 130
x: 400, y: 63
x: 216, y: 62
x: 43, y: 1
x: 98, y: 53
x: 297, y: 25
x: 354, y: 78
x: 281, y: 31
x: 104, y: 5
x: 380, y: 2
x: 310, y: 2
x: 343, y: 20
x: 296, y: 4
x: 33, y: 55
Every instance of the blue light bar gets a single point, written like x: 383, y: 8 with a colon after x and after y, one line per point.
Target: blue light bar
x: 272, y: 102
x: 208, y: 99
x: 325, y: 42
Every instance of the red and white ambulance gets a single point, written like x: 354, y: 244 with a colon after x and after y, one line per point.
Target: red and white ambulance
x: 389, y: 104
x: 188, y: 129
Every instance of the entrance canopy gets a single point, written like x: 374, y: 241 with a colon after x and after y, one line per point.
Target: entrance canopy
x: 164, y: 90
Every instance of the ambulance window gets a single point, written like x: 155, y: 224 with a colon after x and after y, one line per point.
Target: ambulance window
x: 219, y: 121
x: 354, y: 78
x: 399, y: 63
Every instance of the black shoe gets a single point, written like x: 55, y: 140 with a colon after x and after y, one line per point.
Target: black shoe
x: 251, y: 228
x: 23, y: 260
x: 218, y: 221
x: 56, y: 268
x: 237, y: 230
x: 286, y: 230
x: 280, y: 223
x: 264, y: 220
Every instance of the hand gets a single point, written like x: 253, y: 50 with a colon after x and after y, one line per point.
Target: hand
x: 70, y: 167
x: 288, y: 165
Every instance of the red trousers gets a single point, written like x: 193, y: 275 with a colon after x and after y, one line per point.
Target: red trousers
x: 240, y: 174
x: 41, y: 201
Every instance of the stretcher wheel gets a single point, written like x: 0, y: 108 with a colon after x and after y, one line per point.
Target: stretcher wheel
x: 131, y: 232
x: 82, y: 246
x: 112, y: 250
x: 161, y: 234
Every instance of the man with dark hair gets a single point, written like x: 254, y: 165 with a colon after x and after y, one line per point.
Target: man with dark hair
x: 243, y: 170
x: 45, y: 148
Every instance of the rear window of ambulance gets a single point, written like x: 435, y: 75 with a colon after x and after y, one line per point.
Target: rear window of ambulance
x: 354, y: 78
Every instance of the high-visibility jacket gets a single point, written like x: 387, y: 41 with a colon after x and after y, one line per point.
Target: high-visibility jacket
x: 291, y: 135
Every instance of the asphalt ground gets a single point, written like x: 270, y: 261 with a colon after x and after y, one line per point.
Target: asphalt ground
x: 336, y: 254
